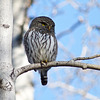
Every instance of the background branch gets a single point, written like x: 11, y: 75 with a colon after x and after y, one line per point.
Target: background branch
x: 71, y: 29
x: 73, y: 90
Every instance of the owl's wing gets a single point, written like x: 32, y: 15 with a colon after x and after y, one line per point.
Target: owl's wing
x: 26, y: 45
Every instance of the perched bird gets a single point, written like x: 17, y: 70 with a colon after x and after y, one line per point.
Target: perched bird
x: 40, y: 43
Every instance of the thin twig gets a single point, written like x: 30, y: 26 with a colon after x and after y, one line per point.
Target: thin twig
x: 86, y: 58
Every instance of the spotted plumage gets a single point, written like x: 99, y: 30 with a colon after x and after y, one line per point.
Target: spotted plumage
x: 40, y: 43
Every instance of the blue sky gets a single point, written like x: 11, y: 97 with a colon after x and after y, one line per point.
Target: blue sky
x: 66, y: 17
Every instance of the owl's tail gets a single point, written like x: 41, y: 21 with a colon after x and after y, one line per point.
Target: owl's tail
x: 44, y: 78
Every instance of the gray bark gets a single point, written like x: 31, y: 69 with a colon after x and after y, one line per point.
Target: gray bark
x: 7, y: 90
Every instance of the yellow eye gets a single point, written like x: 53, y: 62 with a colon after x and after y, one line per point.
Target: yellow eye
x: 43, y: 24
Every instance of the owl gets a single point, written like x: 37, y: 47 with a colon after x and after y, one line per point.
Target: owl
x: 41, y: 44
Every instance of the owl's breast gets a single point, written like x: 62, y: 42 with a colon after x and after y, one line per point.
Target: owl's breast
x: 42, y: 47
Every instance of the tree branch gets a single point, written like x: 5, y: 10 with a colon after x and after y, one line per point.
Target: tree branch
x: 86, y: 58
x: 71, y: 63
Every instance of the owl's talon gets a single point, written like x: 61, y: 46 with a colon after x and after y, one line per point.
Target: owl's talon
x: 43, y: 63
x: 46, y: 62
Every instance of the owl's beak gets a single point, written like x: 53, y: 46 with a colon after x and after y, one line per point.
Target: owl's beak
x: 49, y: 27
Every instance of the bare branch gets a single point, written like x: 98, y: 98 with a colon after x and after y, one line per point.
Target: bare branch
x: 73, y: 90
x: 71, y: 63
x: 71, y: 29
x: 86, y: 58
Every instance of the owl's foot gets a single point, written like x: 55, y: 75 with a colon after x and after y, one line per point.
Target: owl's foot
x: 43, y: 63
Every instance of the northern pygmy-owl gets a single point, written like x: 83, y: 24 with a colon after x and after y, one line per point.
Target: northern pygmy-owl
x: 40, y: 43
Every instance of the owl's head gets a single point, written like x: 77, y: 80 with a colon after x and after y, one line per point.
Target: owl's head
x: 43, y: 22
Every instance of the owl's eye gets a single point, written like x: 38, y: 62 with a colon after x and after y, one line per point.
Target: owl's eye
x: 43, y: 24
